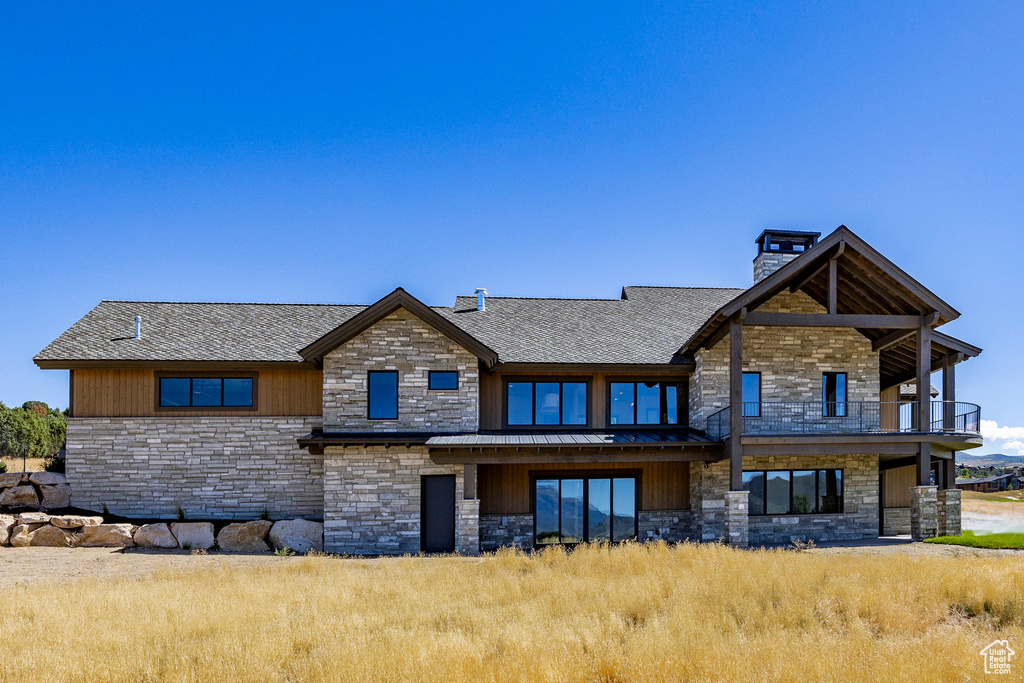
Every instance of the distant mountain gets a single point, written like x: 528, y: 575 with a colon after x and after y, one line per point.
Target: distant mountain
x: 996, y: 459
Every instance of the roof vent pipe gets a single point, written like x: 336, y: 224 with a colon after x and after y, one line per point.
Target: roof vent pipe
x: 138, y: 327
x: 481, y: 296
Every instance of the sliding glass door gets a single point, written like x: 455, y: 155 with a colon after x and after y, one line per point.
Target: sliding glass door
x: 574, y: 510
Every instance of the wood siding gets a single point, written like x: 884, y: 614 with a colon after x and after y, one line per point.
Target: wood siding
x: 492, y: 391
x: 131, y: 392
x: 505, y: 489
x: 897, y: 486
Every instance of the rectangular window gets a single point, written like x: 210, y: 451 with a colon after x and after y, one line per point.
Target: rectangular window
x: 833, y: 394
x: 546, y: 404
x: 751, y: 394
x: 383, y: 395
x: 579, y: 509
x: 205, y: 392
x: 794, y: 492
x: 442, y: 380
x: 643, y: 403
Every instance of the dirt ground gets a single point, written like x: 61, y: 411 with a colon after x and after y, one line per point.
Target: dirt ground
x: 23, y: 566
x: 30, y: 566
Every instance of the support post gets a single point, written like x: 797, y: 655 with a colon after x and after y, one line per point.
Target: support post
x: 469, y: 481
x: 736, y: 404
x: 948, y: 393
x: 924, y: 396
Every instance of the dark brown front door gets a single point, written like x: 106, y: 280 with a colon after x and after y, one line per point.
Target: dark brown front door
x: 437, y: 514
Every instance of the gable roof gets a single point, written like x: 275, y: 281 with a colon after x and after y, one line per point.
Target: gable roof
x: 646, y: 325
x: 869, y: 283
x: 314, y: 353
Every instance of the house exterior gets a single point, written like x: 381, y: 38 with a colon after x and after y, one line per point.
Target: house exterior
x: 758, y: 415
x: 1005, y: 481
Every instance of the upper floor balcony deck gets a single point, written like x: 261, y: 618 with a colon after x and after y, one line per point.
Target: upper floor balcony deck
x: 847, y: 418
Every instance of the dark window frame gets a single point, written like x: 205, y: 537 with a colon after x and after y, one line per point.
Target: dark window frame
x: 369, y: 373
x: 682, y: 409
x: 835, y: 408
x: 817, y: 492
x: 560, y: 381
x: 430, y: 380
x: 585, y: 476
x: 760, y: 386
x: 158, y: 376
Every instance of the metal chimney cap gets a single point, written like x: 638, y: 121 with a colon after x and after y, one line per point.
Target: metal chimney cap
x: 481, y: 295
x: 138, y: 327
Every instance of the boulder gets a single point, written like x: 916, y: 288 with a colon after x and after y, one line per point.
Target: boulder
x: 19, y: 497
x: 33, y: 518
x: 193, y: 535
x: 74, y: 521
x: 7, y: 522
x: 244, y: 537
x: 51, y: 537
x: 11, y: 479
x: 21, y: 535
x: 155, y: 536
x: 300, y: 535
x: 55, y: 496
x: 107, y: 536
x: 47, y: 478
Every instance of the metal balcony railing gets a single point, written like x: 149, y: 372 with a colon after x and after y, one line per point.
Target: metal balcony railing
x: 850, y: 417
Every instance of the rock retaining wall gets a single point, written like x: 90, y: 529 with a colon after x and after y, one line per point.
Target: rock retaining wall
x: 79, y: 531
x: 24, y: 490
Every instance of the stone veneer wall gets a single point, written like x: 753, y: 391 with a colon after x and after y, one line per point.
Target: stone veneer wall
x: 372, y: 499
x: 505, y: 531
x: 401, y: 342
x: 896, y: 521
x: 767, y: 262
x: 209, y: 467
x: 671, y: 526
x: 790, y: 360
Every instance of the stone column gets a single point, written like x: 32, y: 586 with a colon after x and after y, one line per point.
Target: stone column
x: 467, y: 527
x: 924, y: 516
x: 948, y: 501
x: 736, y: 518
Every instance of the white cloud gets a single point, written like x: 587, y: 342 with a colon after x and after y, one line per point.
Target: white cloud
x: 1015, y: 447
x: 990, y: 429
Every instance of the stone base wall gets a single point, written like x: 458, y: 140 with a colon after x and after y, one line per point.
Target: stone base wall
x: 372, y: 498
x: 671, y: 526
x: 924, y: 517
x: 896, y: 521
x: 204, y: 467
x: 505, y: 531
x: 737, y: 518
x: 948, y: 508
x: 467, y: 526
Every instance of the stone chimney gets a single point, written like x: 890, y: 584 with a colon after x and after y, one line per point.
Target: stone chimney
x: 776, y: 248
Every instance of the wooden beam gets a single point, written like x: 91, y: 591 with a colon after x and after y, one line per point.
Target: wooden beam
x: 469, y: 481
x: 736, y: 405
x: 924, y: 412
x: 532, y: 456
x: 802, y: 282
x: 834, y: 320
x: 892, y: 339
x: 833, y: 284
x: 830, y: 449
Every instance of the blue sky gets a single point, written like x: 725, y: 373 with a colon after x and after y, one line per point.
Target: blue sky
x: 309, y: 152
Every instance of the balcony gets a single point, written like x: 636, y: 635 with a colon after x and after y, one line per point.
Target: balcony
x: 851, y: 417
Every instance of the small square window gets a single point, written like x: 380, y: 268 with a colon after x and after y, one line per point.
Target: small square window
x: 443, y: 380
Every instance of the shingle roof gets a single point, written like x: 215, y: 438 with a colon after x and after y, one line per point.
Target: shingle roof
x: 646, y: 325
x: 179, y: 331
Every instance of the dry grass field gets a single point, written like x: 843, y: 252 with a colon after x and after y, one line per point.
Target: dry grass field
x: 631, y: 613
